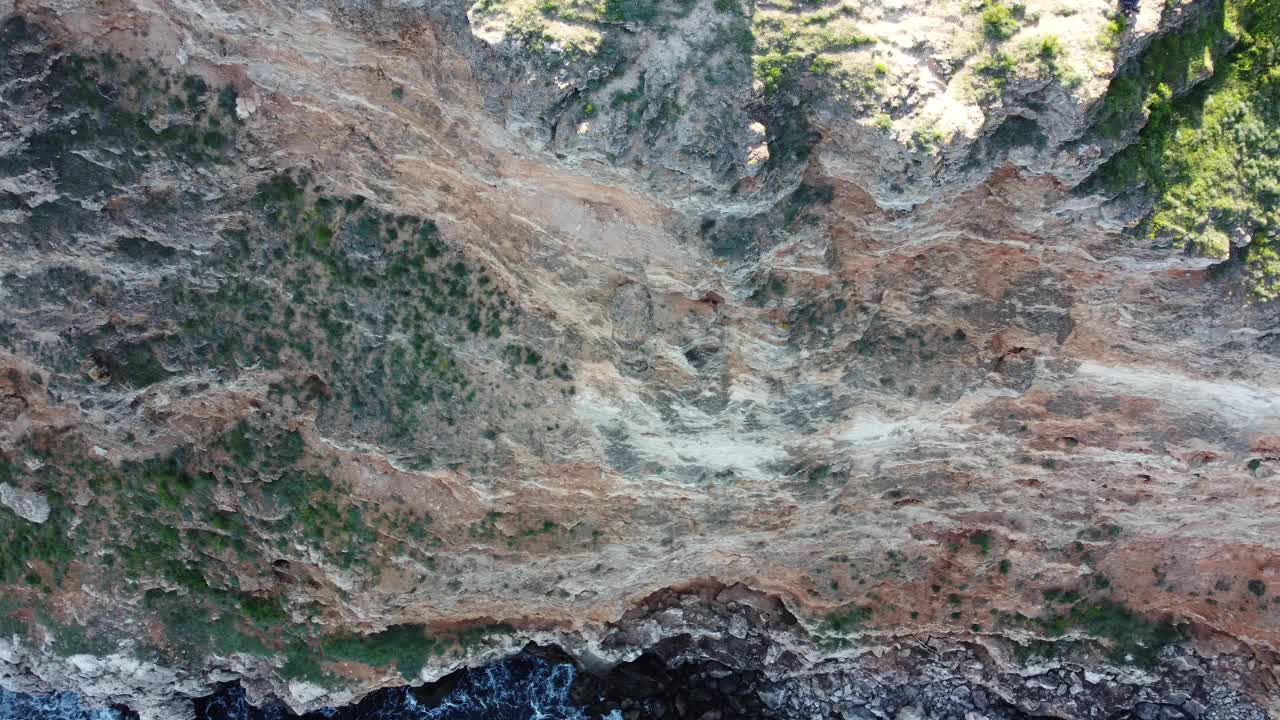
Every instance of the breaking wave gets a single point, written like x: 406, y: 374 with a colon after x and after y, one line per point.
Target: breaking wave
x: 519, y: 688
x: 58, y: 706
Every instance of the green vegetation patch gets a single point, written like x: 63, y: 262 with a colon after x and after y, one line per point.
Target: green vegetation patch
x: 982, y: 540
x: 1128, y: 633
x: 156, y: 528
x: 850, y: 619
x: 1170, y: 64
x: 992, y: 73
x: 787, y: 49
x: 376, y: 299
x: 1039, y: 56
x: 1000, y: 21
x: 195, y: 628
x: 164, y: 523
x: 575, y: 29
x: 405, y: 647
x: 373, y: 302
x: 44, y: 546
x: 109, y: 120
x: 1211, y: 158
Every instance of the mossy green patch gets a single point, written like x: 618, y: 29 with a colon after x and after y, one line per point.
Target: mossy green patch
x: 405, y: 647
x: 982, y: 540
x: 850, y: 619
x: 26, y: 543
x: 1130, y: 635
x: 1171, y: 63
x: 1211, y: 158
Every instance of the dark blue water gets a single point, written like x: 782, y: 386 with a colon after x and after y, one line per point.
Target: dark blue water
x: 59, y: 706
x: 520, y: 688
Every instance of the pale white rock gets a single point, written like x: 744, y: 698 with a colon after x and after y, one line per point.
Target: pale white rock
x: 35, y: 187
x: 246, y: 106
x: 305, y: 692
x: 87, y: 665
x: 757, y: 157
x: 8, y: 652
x: 1042, y: 683
x: 28, y: 505
x: 910, y: 712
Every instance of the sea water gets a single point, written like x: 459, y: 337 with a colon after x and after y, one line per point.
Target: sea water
x: 522, y: 688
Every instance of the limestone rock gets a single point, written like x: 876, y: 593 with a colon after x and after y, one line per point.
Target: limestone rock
x: 780, y: 350
x: 28, y: 505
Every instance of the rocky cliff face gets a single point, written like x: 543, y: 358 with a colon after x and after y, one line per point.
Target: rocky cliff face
x: 346, y: 344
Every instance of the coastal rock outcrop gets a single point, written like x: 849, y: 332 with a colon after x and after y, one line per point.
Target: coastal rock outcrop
x: 345, y: 345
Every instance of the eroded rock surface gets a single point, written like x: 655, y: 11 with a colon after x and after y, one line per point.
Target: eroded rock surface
x: 353, y: 343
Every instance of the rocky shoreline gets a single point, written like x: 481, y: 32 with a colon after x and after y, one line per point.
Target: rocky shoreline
x: 923, y: 687
x: 732, y: 655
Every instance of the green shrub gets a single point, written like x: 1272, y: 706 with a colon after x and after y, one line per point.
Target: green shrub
x: 998, y: 22
x: 78, y: 640
x: 926, y: 139
x: 1112, y: 31
x: 849, y: 620
x: 1049, y: 49
x: 263, y: 611
x: 301, y: 662
x: 194, y: 630
x: 26, y: 542
x: 772, y: 69
x: 992, y: 74
x: 1061, y: 596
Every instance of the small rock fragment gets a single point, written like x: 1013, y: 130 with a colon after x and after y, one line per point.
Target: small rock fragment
x: 246, y: 106
x: 30, y: 506
x: 772, y: 699
x: 910, y: 712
